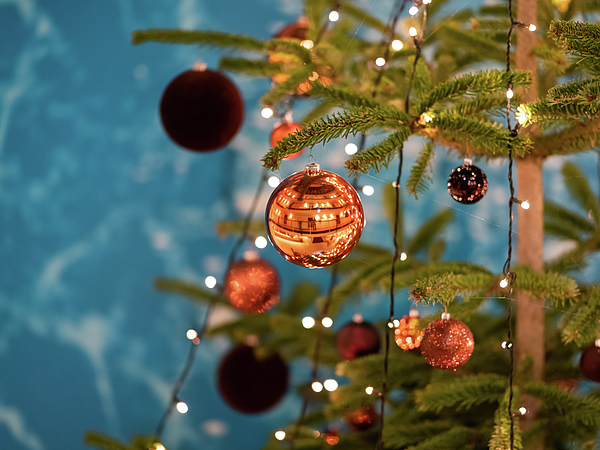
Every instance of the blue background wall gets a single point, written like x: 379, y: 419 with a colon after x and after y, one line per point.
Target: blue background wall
x: 95, y: 201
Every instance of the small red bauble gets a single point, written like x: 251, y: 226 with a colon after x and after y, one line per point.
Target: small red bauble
x: 201, y: 110
x: 408, y: 335
x: 331, y: 437
x: 314, y: 218
x: 252, y: 286
x: 447, y: 343
x: 363, y: 418
x: 467, y: 183
x: 251, y: 382
x: 589, y: 364
x: 357, y: 339
x: 282, y: 130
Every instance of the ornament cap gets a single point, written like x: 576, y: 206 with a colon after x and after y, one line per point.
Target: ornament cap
x: 597, y: 343
x: 312, y: 169
x: 468, y: 161
x: 445, y: 316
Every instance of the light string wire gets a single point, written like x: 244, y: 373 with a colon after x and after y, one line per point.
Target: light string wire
x: 417, y: 40
x: 200, y: 334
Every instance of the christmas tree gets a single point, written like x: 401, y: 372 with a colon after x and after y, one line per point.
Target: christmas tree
x: 514, y: 388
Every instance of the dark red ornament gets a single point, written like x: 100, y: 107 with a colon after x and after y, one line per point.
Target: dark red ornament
x: 296, y: 30
x: 331, y: 437
x: 467, y: 183
x: 589, y: 364
x: 201, y: 110
x: 357, y: 339
x: 447, y: 343
x: 250, y: 381
x: 252, y: 286
x: 363, y: 418
x: 282, y: 130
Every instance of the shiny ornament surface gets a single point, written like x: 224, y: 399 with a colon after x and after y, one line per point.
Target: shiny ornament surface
x: 201, y: 110
x: 589, y: 364
x: 447, y: 344
x: 467, y: 184
x: 314, y: 218
x: 252, y: 286
x: 281, y: 130
x: 357, y: 339
x: 408, y: 335
x: 363, y: 418
x: 251, y: 380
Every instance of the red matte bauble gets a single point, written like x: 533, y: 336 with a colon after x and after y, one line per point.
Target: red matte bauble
x: 363, y: 418
x: 408, y: 335
x: 357, y: 339
x: 296, y: 30
x: 251, y: 382
x: 447, y: 344
x: 201, y: 110
x: 252, y: 286
x: 314, y: 218
x: 282, y: 130
x: 589, y: 364
x: 467, y: 184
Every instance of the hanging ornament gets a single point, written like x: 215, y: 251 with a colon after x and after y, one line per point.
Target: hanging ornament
x: 447, y: 343
x: 251, y: 381
x: 331, y: 437
x: 201, y: 110
x: 467, y: 183
x: 295, y: 31
x: 363, y: 418
x: 357, y: 339
x: 589, y: 364
x: 314, y: 218
x: 282, y: 130
x: 252, y: 286
x: 407, y: 334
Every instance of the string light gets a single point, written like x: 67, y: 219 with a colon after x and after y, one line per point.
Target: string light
x: 334, y: 16
x: 273, y: 181
x: 182, y: 407
x: 316, y: 386
x: 380, y: 62
x: 159, y: 447
x: 369, y: 390
x: 267, y: 113
x: 426, y: 2
x: 523, y: 410
x: 191, y: 334
x: 532, y: 27
x: 307, y: 44
x: 308, y: 322
x: 357, y: 318
x: 327, y: 322
x: 413, y: 10
x: 397, y: 44
x: 210, y: 282
x: 412, y: 31
x: 525, y: 204
x: 503, y: 283
x: 330, y: 384
x: 280, y: 435
x: 509, y: 93
x: 427, y: 117
x: 350, y: 149
x: 368, y: 190
x: 260, y: 242
x: 403, y: 256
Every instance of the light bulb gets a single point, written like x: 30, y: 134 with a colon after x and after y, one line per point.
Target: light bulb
x: 503, y: 345
x: 210, y: 282
x: 380, y: 62
x: 504, y: 283
x: 369, y: 390
x: 260, y: 242
x: 532, y: 27
x: 266, y: 113
x: 397, y: 44
x: 327, y: 322
x: 525, y: 204
x: 331, y: 385
x: 426, y: 2
x: 509, y: 93
x: 273, y: 181
x: 159, y: 447
x: 350, y: 149
x: 316, y: 386
x: 523, y: 410
x: 368, y: 190
x: 308, y: 44
x: 181, y: 407
x: 308, y: 322
x: 191, y: 334
x: 412, y: 31
x: 427, y: 117
x: 334, y: 16
x: 280, y: 435
x: 413, y: 10
x: 403, y: 256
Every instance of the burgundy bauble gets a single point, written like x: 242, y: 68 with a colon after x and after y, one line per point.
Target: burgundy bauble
x: 363, y: 418
x: 201, y: 110
x: 357, y: 339
x: 447, y: 344
x: 467, y: 184
x: 252, y: 286
x: 589, y: 364
x: 296, y: 30
x: 251, y: 382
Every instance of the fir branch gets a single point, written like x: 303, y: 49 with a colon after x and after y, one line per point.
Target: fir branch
x: 280, y: 90
x: 249, y: 67
x: 575, y: 138
x: 456, y: 437
x: 420, y: 172
x: 502, y: 426
x: 476, y: 42
x: 579, y: 324
x: 551, y: 55
x: 559, y: 289
x: 481, y: 104
x: 482, y: 83
x: 566, y: 92
x: 345, y: 97
x: 190, y: 290
x: 580, y: 190
x: 583, y: 38
x: 401, y: 435
x: 444, y: 288
x: 103, y: 442
x: 380, y: 155
x: 291, y: 47
x: 462, y: 393
x: 203, y: 38
x: 335, y: 126
x: 429, y: 230
x: 542, y: 111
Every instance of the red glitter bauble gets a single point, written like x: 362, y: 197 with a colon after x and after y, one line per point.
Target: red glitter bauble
x: 467, y: 184
x: 357, y: 339
x: 281, y: 130
x: 252, y: 286
x: 201, y: 110
x: 407, y: 334
x: 314, y: 218
x: 363, y: 418
x: 447, y: 344
x: 250, y: 382
x: 589, y: 364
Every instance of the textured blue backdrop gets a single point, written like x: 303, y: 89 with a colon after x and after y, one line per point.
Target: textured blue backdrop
x: 95, y: 201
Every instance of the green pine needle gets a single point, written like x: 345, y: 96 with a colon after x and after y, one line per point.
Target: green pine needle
x: 420, y: 172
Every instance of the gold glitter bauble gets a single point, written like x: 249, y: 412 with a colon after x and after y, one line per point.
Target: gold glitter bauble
x: 447, y: 344
x: 407, y: 334
x: 252, y: 286
x: 314, y: 218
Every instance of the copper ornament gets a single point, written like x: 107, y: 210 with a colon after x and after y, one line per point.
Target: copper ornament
x: 363, y: 418
x: 314, y: 218
x: 252, y: 286
x: 408, y: 335
x: 282, y: 130
x: 447, y: 344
